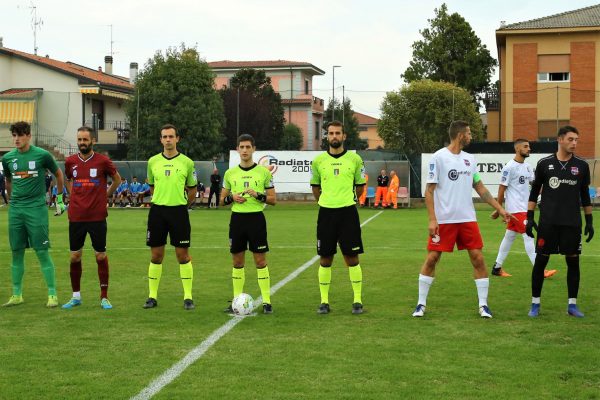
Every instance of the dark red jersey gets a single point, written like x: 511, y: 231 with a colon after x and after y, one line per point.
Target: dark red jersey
x: 88, y: 189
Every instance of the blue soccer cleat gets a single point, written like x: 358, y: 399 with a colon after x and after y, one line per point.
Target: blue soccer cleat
x: 419, y: 311
x: 105, y: 304
x: 74, y: 302
x: 535, y: 310
x: 573, y: 311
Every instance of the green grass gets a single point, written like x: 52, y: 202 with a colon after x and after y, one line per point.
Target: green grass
x: 89, y: 353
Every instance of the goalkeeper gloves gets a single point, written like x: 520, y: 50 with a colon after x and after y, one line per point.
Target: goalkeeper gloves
x: 589, y: 227
x: 531, y: 225
x: 60, y: 206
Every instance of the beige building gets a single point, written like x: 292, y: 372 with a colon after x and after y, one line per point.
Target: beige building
x: 293, y: 80
x: 549, y: 77
x: 57, y: 97
x: 367, y: 130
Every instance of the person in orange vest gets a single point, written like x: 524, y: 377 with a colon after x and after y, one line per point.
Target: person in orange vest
x: 363, y: 197
x: 382, y: 188
x: 393, y: 190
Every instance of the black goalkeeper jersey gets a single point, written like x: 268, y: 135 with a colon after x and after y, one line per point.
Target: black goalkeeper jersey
x: 564, y: 187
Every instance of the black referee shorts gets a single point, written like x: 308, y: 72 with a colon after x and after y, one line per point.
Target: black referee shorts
x: 248, y: 230
x: 339, y: 225
x: 79, y: 230
x: 558, y: 239
x: 168, y: 220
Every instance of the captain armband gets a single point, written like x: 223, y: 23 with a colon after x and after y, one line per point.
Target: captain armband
x: 228, y: 200
x: 261, y: 197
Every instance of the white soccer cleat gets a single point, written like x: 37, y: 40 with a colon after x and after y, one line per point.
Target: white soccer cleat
x: 485, y: 312
x: 419, y: 311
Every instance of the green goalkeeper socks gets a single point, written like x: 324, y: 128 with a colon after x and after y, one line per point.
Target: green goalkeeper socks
x: 264, y: 282
x: 324, y: 283
x: 154, y: 273
x: 186, y: 272
x: 238, y: 278
x: 47, y: 270
x: 356, y: 280
x: 17, y: 270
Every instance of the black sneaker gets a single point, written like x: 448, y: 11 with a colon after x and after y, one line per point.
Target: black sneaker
x: 267, y: 308
x: 188, y: 304
x: 357, y: 308
x: 323, y: 309
x: 150, y: 303
x: 228, y: 310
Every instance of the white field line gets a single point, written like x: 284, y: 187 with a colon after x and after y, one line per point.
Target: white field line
x: 177, y: 369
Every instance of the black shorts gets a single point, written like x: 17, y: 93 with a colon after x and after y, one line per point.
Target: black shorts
x: 168, y: 220
x: 248, y: 230
x: 555, y: 239
x: 339, y: 225
x: 78, y: 231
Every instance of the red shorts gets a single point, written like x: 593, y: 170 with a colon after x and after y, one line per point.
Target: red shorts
x: 518, y: 224
x: 465, y: 235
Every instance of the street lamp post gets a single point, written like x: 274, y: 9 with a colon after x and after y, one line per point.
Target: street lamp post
x: 333, y: 92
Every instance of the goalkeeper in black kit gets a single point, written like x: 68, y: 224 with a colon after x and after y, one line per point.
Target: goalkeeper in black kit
x: 563, y: 179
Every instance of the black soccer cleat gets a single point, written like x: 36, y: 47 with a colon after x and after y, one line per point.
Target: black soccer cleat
x: 267, y: 308
x: 188, y: 304
x: 228, y: 310
x: 323, y: 309
x: 357, y: 308
x: 150, y: 303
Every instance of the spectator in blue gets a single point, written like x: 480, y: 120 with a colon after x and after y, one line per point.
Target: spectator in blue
x: 123, y: 192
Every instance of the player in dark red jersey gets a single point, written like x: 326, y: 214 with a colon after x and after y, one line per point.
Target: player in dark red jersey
x: 564, y: 179
x: 87, y: 172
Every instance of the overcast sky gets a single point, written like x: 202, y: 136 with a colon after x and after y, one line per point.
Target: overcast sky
x: 371, y: 40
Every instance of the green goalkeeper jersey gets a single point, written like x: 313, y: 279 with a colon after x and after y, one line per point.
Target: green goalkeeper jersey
x: 170, y: 177
x: 337, y: 175
x: 239, y: 179
x: 27, y: 171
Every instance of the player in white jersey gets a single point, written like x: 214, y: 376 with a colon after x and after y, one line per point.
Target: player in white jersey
x: 451, y: 177
x: 514, y: 187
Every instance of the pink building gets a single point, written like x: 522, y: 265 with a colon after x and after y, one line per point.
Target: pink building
x: 293, y: 81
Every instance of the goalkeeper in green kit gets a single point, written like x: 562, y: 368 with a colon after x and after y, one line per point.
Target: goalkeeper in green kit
x: 25, y: 168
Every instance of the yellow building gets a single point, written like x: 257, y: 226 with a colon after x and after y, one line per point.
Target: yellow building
x: 367, y: 130
x: 549, y: 77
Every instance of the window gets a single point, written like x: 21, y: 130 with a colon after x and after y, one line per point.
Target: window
x: 306, y: 86
x: 362, y: 128
x: 548, y: 129
x: 554, y: 77
x: 317, y: 130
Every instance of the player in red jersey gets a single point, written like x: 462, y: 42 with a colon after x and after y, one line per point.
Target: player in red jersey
x: 87, y: 172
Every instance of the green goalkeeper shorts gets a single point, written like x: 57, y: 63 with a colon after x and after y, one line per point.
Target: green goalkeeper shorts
x: 28, y: 227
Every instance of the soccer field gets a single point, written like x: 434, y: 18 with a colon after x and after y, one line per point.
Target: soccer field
x: 90, y: 353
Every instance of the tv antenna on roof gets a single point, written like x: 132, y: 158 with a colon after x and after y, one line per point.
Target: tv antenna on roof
x: 36, y: 24
x: 111, y: 40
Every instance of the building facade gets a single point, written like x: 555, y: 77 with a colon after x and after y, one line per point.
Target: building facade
x: 367, y: 130
x: 294, y: 82
x: 549, y: 77
x: 58, y: 97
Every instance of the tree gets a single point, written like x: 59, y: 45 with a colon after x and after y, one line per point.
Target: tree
x: 451, y: 52
x: 292, y: 138
x: 415, y: 119
x: 176, y: 88
x: 344, y: 114
x: 260, y: 110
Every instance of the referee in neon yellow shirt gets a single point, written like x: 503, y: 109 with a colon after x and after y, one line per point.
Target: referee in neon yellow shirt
x: 172, y: 180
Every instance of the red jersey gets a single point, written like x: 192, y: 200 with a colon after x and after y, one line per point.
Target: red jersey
x: 87, y: 202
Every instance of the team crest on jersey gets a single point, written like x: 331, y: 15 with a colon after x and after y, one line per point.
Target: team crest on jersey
x: 575, y: 171
x: 336, y: 171
x: 521, y: 180
x: 550, y: 167
x: 431, y: 166
x: 467, y: 163
x: 31, y: 164
x: 15, y: 166
x: 74, y: 173
x: 505, y: 173
x: 93, y: 172
x: 167, y: 172
x: 246, y: 184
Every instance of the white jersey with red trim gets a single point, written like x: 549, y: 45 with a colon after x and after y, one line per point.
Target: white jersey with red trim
x: 453, y: 175
x: 516, y: 177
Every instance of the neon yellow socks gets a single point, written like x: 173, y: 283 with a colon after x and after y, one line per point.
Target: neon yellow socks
x: 154, y: 273
x: 238, y: 277
x: 186, y: 272
x: 264, y: 282
x: 355, y: 273
x: 324, y: 283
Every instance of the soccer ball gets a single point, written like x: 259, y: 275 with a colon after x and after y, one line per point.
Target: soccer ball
x: 243, y: 304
